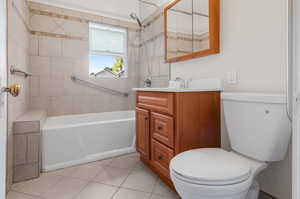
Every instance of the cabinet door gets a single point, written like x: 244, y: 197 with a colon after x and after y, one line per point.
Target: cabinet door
x: 142, y: 133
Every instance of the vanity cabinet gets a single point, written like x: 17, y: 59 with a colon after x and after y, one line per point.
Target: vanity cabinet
x: 168, y: 123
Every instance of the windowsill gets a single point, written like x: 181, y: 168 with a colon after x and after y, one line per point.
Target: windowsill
x: 106, y: 77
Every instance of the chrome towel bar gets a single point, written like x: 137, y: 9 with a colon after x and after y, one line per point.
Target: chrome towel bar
x: 96, y: 86
x: 15, y: 71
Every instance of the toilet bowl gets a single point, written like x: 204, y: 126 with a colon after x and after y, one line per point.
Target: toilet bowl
x: 214, y: 174
x: 259, y: 132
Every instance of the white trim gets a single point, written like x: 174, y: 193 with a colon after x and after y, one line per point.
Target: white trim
x: 296, y: 159
x: 83, y: 9
x: 3, y: 96
x: 296, y: 90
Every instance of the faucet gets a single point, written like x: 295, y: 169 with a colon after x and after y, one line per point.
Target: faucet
x: 147, y: 82
x: 181, y: 81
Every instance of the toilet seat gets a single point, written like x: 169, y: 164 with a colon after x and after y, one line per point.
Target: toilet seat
x: 210, y: 166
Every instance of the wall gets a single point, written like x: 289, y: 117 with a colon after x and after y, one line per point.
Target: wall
x: 254, y: 44
x: 152, y: 64
x: 113, y: 8
x: 59, y: 48
x: 18, y: 48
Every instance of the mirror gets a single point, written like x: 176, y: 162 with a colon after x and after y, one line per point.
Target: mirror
x: 191, y: 29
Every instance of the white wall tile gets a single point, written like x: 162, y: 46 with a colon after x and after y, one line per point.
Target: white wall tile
x: 62, y: 67
x: 40, y: 66
x: 74, y: 48
x: 51, y: 47
x: 61, y: 105
x: 65, y: 57
x: 34, y: 45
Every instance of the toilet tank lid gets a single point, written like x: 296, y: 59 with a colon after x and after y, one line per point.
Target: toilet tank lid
x: 273, y: 98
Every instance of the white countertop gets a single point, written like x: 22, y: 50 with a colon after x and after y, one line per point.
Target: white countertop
x: 177, y: 89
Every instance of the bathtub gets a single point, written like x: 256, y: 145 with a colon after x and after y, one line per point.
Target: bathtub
x: 77, y: 139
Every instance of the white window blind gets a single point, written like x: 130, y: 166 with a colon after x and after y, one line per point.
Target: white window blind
x: 107, y: 39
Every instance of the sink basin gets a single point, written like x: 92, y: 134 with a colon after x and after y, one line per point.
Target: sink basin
x: 194, y: 86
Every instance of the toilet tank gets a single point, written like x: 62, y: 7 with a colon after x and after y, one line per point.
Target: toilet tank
x: 257, y: 125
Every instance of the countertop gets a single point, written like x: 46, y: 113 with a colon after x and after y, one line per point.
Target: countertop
x: 177, y: 89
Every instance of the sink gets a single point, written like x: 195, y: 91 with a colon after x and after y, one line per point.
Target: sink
x: 194, y: 86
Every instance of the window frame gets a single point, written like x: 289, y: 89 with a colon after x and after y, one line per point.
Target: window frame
x: 109, y: 53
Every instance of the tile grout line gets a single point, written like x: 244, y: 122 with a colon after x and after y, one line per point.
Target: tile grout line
x: 76, y: 195
x: 92, y: 180
x: 89, y: 181
x: 120, y: 186
x: 152, y: 192
x: 115, y: 192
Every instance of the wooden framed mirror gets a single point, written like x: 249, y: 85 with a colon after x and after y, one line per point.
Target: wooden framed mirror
x: 191, y: 29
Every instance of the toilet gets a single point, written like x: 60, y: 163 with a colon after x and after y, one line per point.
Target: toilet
x: 259, y: 132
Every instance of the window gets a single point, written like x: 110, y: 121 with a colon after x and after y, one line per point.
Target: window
x: 108, y: 51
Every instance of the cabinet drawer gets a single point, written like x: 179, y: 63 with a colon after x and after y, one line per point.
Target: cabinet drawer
x: 156, y: 101
x: 162, y: 128
x: 161, y: 156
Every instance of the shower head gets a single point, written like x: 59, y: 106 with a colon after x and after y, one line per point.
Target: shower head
x: 135, y: 17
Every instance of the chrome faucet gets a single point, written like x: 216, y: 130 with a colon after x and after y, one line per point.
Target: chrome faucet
x: 147, y: 82
x: 181, y: 81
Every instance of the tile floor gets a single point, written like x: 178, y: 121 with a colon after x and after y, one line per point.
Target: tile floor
x: 122, y: 177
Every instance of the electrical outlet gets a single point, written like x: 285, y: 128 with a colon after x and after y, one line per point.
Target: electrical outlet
x: 232, y: 77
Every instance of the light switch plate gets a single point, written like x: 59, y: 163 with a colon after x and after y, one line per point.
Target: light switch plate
x: 232, y: 77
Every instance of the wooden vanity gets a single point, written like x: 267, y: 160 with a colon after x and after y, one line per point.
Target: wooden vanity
x: 168, y: 123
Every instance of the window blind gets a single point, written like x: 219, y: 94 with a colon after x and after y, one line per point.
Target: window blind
x: 107, y: 39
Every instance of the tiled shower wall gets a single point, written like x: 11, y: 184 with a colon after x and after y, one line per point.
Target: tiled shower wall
x: 152, y: 63
x: 18, y: 48
x: 59, y: 48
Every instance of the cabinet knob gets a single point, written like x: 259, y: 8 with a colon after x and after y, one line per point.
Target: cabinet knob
x: 146, y: 118
x: 160, y: 157
x: 160, y: 128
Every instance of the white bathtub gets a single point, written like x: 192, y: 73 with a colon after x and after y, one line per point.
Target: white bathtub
x: 76, y: 139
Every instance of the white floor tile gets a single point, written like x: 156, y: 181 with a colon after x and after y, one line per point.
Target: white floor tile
x: 140, y: 179
x: 38, y: 186
x: 155, y: 196
x: 131, y: 194
x: 67, y: 188
x: 97, y: 191
x: 123, y: 177
x: 125, y: 162
x: 162, y: 189
x: 15, y: 195
x: 86, y: 172
x: 67, y: 172
x: 112, y: 176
